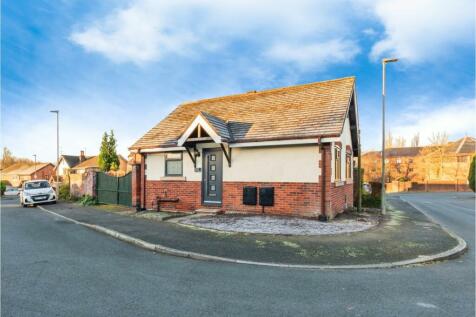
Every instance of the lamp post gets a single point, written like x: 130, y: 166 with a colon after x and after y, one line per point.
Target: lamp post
x: 57, y: 149
x: 384, y: 63
x: 34, y: 175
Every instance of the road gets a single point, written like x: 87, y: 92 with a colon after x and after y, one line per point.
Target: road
x: 54, y: 268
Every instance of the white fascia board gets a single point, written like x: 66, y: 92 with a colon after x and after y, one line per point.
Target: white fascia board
x: 163, y: 149
x: 329, y: 140
x: 275, y: 143
x: 204, y: 124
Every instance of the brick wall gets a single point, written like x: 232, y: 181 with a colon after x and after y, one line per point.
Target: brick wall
x: 289, y: 198
x: 188, y: 193
x: 341, y: 198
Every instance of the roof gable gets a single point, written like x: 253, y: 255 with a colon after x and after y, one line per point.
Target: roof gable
x: 305, y: 111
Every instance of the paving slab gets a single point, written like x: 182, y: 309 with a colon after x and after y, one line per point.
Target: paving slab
x: 403, y: 234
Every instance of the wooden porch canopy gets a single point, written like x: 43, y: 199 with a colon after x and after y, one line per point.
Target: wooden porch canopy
x: 206, y: 128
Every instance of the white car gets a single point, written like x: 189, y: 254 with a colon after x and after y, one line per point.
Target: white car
x: 37, y: 192
x: 11, y: 191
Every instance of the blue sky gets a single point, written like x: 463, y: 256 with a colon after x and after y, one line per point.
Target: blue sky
x: 124, y: 65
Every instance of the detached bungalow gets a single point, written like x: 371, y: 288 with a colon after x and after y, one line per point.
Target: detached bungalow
x: 281, y: 151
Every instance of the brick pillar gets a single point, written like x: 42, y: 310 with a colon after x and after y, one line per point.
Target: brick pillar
x: 136, y: 185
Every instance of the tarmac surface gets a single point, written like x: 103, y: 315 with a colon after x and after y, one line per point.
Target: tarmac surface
x: 51, y: 267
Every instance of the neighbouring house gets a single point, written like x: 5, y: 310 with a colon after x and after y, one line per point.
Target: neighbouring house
x: 428, y: 168
x: 281, y: 151
x: 91, y: 164
x: 82, y: 177
x: 449, y: 162
x: 400, y: 164
x: 18, y: 173
x: 67, y: 162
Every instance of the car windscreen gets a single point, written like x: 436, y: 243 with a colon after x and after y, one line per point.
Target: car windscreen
x: 36, y: 185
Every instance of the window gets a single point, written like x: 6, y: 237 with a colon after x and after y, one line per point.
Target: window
x: 348, y: 166
x: 173, y: 164
x: 337, y: 164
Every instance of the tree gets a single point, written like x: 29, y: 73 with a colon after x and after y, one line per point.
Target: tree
x: 472, y: 172
x: 400, y: 141
x: 108, y: 159
x: 389, y: 140
x: 439, y: 142
x: 7, y: 158
x: 415, y: 140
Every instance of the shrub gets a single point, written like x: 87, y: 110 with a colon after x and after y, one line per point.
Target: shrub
x: 88, y: 200
x: 3, y: 187
x: 472, y: 176
x: 64, y: 193
x: 370, y: 201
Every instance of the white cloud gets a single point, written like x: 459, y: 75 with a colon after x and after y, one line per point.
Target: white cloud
x: 147, y: 30
x: 456, y: 118
x: 423, y: 30
x: 315, y: 55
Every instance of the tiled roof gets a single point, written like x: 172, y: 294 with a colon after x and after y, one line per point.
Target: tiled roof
x: 92, y: 162
x: 304, y: 111
x: 24, y: 168
x: 221, y: 127
x: 403, y: 151
x: 466, y: 145
x: 71, y: 160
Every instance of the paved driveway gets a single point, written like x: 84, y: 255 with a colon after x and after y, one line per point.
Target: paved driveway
x: 51, y: 267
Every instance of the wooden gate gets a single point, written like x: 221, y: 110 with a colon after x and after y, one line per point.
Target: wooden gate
x: 114, y: 190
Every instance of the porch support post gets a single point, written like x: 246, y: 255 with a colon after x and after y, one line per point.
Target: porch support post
x: 227, y: 154
x: 192, y: 157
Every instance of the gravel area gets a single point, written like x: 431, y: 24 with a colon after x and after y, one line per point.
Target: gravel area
x: 279, y: 225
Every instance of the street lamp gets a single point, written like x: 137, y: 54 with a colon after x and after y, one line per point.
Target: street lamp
x: 384, y: 63
x: 34, y: 155
x: 57, y: 150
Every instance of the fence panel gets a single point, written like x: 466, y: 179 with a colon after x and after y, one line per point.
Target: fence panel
x: 114, y: 190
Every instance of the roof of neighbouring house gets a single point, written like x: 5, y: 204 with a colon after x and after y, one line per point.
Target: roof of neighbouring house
x: 71, y: 160
x: 24, y: 168
x: 92, y: 162
x: 305, y: 111
x: 411, y: 151
x: 465, y: 145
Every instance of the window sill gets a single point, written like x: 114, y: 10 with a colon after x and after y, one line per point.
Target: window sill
x: 339, y: 183
x: 173, y: 178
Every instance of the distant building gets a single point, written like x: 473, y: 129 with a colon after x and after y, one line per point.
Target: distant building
x: 448, y: 162
x: 91, y: 164
x: 18, y: 173
x: 67, y: 162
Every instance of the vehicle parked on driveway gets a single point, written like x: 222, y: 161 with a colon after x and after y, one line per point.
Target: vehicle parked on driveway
x: 11, y: 191
x: 36, y: 192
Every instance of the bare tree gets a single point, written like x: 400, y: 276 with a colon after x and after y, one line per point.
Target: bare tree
x: 415, y: 140
x: 389, y: 140
x: 400, y: 141
x: 439, y: 141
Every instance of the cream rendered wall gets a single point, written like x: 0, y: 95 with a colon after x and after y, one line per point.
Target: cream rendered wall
x: 156, y: 167
x: 61, y: 167
x: 265, y: 164
x: 345, y: 139
x: 274, y: 164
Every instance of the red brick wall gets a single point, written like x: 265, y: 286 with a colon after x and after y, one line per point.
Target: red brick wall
x: 44, y: 173
x: 188, y: 193
x: 289, y: 198
x: 341, y: 198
